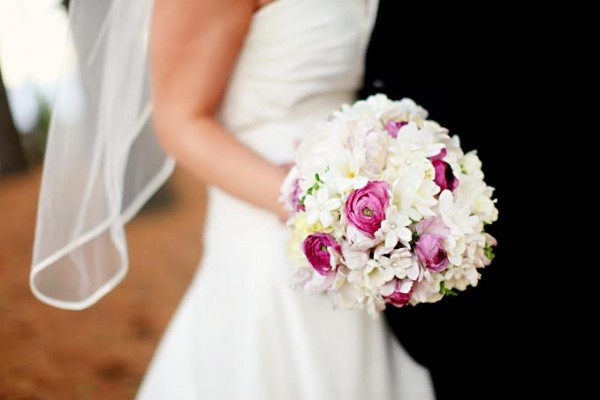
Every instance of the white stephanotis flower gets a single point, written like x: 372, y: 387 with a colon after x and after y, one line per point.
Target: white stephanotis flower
x: 475, y: 254
x: 374, y: 304
x: 410, y: 134
x: 407, y: 109
x: 302, y: 273
x: 395, y: 228
x: 402, y: 110
x: 455, y: 246
x: 318, y: 283
x: 402, y: 263
x: 359, y: 111
x: 455, y: 216
x: 476, y: 246
x: 360, y: 241
x: 415, y: 197
x: 371, y: 277
x: 471, y: 165
x: 329, y: 146
x: 375, y: 275
x: 321, y: 207
x: 476, y: 196
x: 379, y: 109
x: 427, y: 289
x: 354, y: 157
x: 485, y: 208
x: 354, y: 258
x: 345, y: 294
x: 381, y: 105
x: 405, y: 159
x: 412, y: 176
x: 459, y: 277
x: 403, y: 286
x: 452, y: 145
x: 343, y: 180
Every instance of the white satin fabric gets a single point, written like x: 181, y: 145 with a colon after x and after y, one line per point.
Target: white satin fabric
x: 241, y: 331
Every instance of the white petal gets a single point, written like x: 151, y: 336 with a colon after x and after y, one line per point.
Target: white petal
x: 391, y: 240
x: 405, y: 286
x: 333, y: 204
x: 413, y: 271
x: 319, y: 283
x: 312, y: 217
x: 381, y: 250
x: 404, y: 234
x: 354, y: 259
x: 326, y: 218
x: 388, y: 288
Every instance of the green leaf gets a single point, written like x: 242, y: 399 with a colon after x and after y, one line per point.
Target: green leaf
x: 489, y: 252
x: 310, y: 191
x: 318, y: 178
x: 445, y: 291
x: 415, y: 236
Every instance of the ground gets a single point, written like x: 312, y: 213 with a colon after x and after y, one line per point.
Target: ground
x: 101, y: 352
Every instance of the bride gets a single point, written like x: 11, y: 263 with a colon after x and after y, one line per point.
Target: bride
x: 235, y: 84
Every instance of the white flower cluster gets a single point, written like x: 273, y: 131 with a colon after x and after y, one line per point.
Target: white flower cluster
x: 387, y: 209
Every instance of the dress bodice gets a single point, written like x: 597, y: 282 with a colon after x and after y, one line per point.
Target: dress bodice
x: 300, y: 57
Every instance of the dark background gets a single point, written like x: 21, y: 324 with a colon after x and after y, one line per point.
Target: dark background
x: 461, y: 71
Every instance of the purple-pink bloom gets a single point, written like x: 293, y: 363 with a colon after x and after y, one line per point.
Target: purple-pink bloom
x: 295, y: 196
x: 316, y: 249
x: 393, y: 127
x: 431, y: 253
x: 398, y: 298
x: 444, y: 177
x: 365, y: 207
x: 433, y: 225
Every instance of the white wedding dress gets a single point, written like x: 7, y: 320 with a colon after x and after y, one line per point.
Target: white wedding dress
x: 241, y: 331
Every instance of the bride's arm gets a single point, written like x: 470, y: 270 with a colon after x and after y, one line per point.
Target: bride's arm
x: 194, y: 47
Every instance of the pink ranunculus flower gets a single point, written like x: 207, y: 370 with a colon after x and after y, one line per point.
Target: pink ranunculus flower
x: 431, y: 253
x: 430, y: 244
x: 317, y: 250
x: 365, y: 207
x: 401, y: 291
x: 433, y: 225
x: 444, y: 177
x: 393, y: 127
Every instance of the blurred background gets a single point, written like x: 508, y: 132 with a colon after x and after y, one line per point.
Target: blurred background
x: 102, y: 352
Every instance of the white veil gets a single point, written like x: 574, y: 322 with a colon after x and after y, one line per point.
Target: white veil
x: 101, y: 167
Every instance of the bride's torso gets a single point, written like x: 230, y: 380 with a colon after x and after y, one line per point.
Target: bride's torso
x: 301, y: 60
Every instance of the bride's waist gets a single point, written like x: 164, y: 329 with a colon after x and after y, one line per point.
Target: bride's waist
x: 276, y: 139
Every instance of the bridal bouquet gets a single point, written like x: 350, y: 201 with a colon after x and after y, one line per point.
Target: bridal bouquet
x: 387, y: 208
